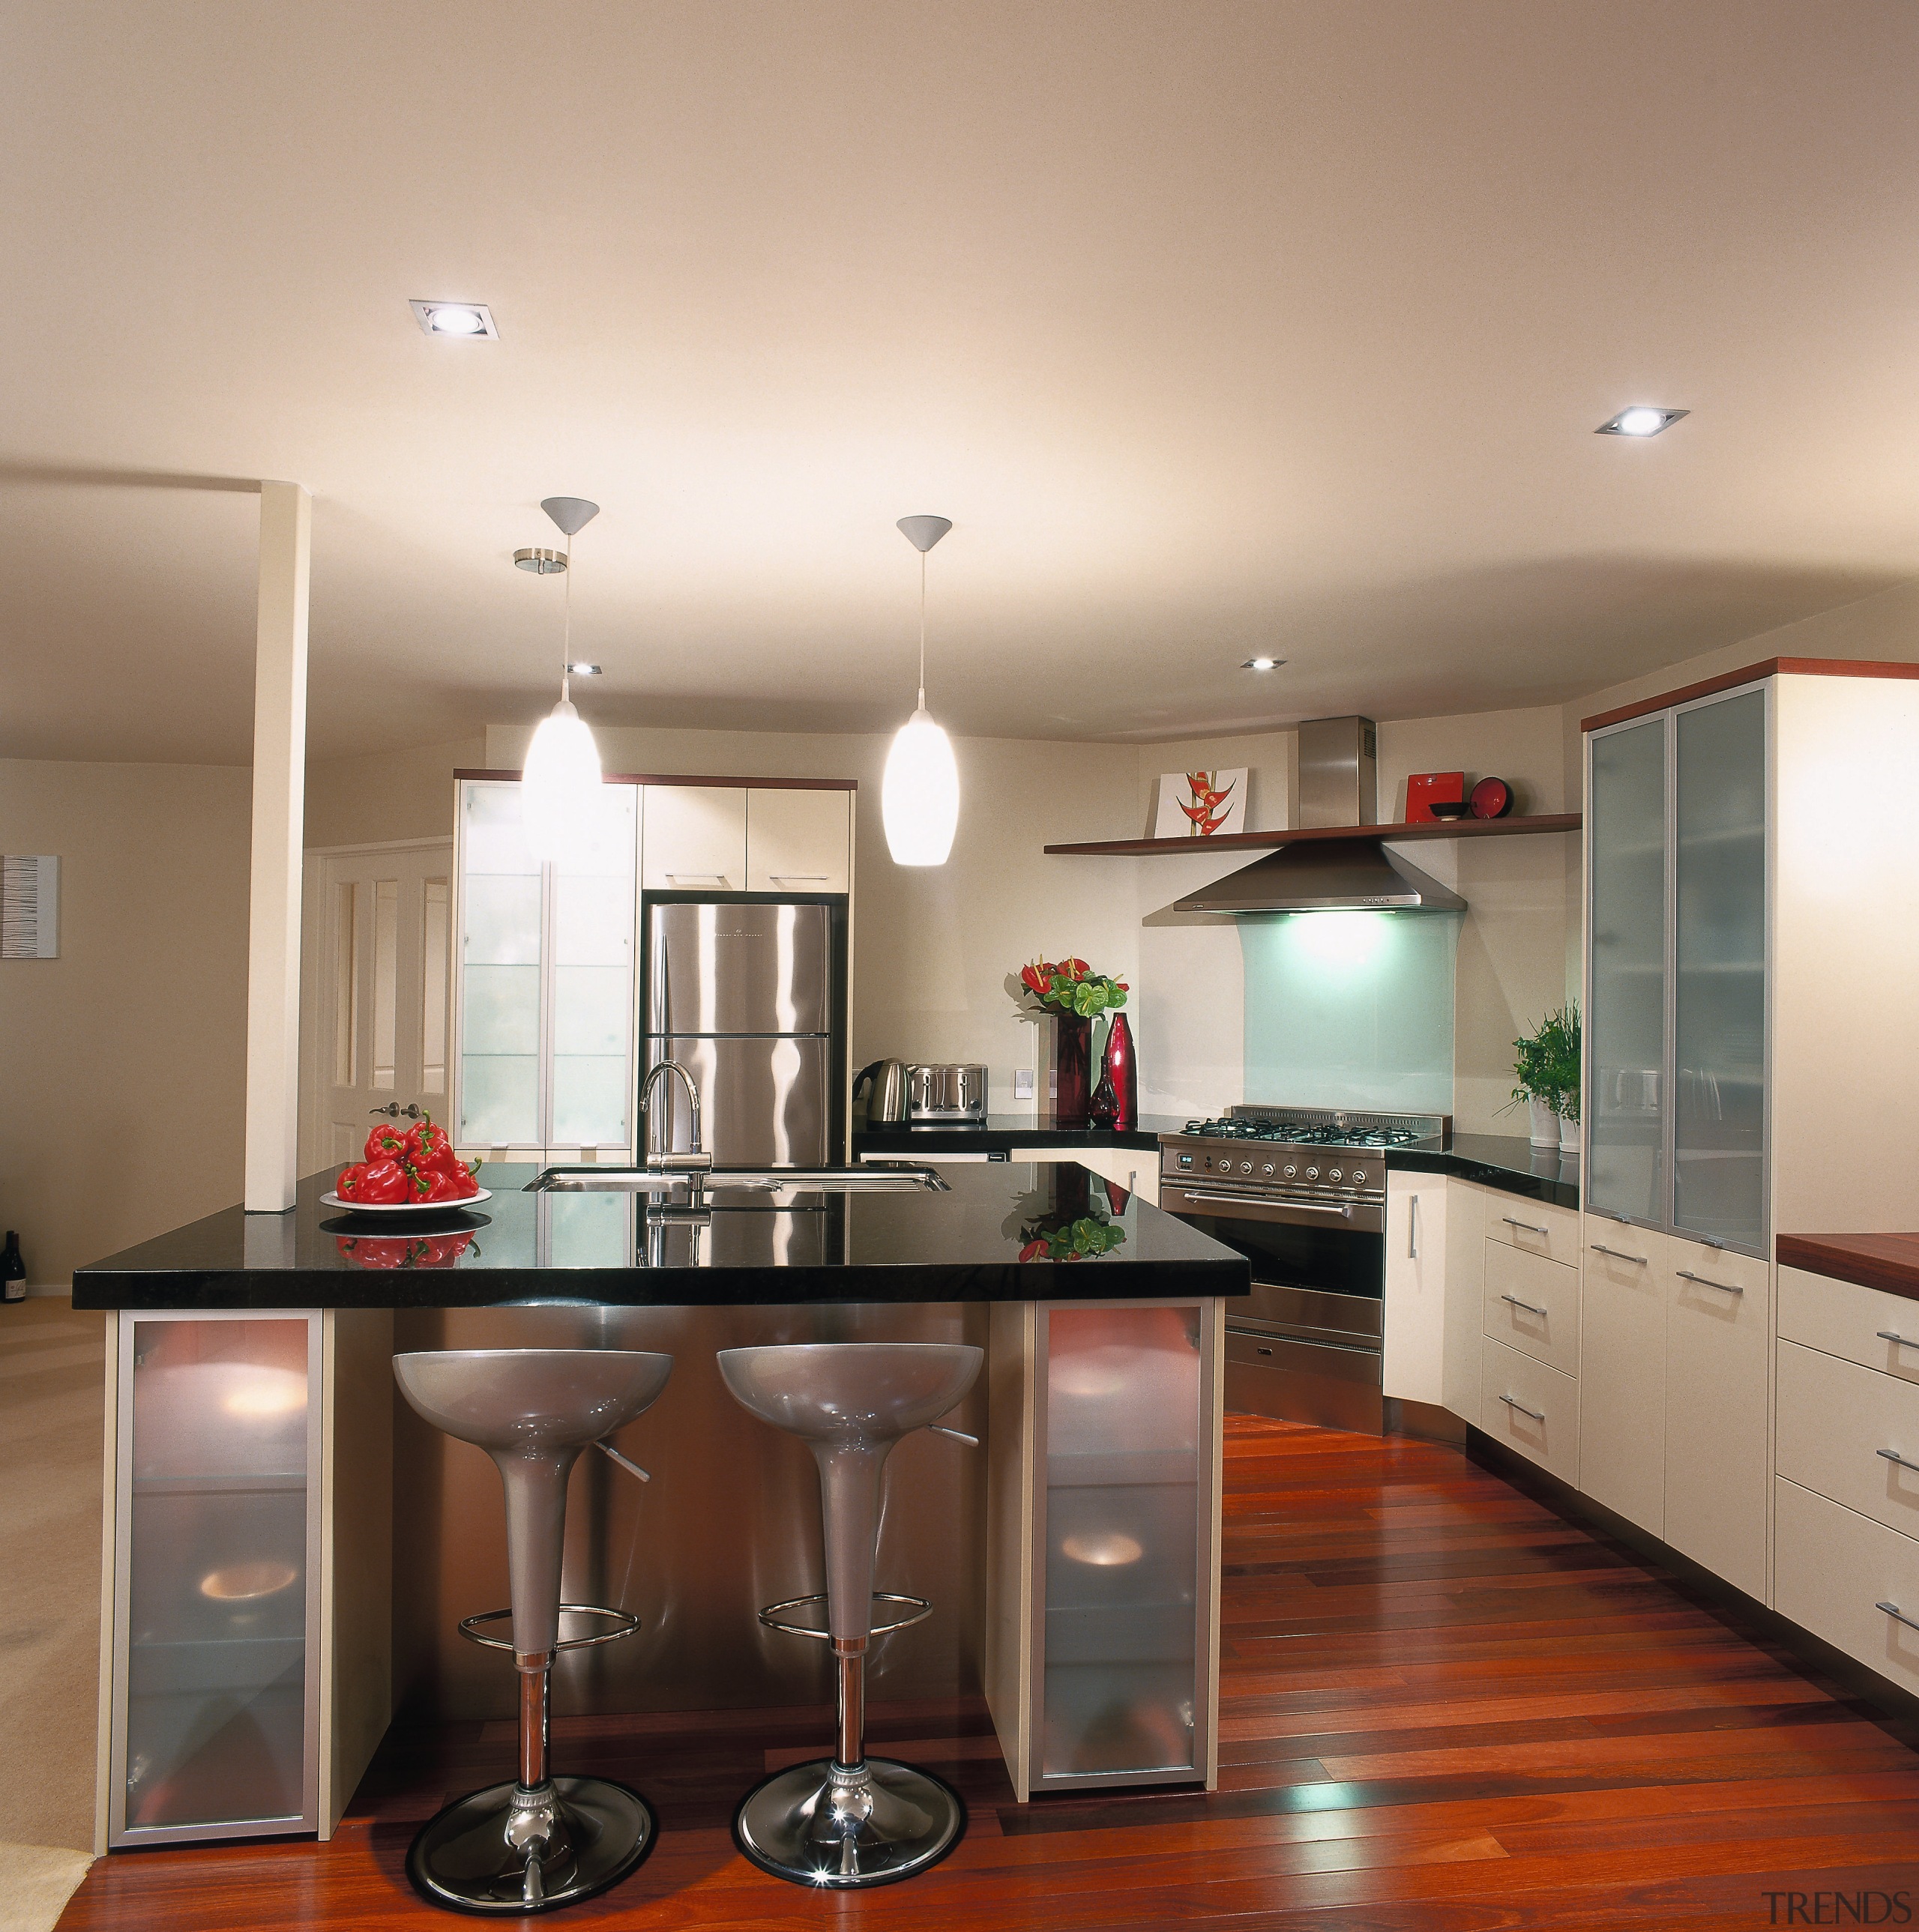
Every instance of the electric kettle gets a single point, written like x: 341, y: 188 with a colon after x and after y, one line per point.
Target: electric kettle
x: 886, y: 1103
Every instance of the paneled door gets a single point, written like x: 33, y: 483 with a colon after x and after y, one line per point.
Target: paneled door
x: 382, y: 993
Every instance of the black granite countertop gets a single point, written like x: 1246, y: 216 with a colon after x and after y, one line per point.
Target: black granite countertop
x: 1507, y: 1162
x: 1000, y: 1133
x: 1038, y: 1231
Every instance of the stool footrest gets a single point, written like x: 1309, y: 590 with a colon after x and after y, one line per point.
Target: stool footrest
x: 920, y: 1608
x: 625, y: 1623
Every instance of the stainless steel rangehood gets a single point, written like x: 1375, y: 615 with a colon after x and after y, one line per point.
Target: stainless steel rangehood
x: 1338, y: 787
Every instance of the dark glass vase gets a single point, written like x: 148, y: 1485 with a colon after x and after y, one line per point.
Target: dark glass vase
x: 1072, y: 1066
x: 1121, y: 1073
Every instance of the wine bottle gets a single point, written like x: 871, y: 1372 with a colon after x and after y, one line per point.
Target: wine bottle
x: 13, y: 1270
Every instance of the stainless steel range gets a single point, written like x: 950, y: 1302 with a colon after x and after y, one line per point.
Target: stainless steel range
x: 1301, y: 1193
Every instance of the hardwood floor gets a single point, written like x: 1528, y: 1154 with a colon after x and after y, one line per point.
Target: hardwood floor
x: 1442, y: 1708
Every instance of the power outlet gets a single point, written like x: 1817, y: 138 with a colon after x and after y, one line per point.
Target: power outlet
x: 1023, y: 1083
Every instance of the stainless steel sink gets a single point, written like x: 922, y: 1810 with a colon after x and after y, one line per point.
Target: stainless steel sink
x: 890, y: 1177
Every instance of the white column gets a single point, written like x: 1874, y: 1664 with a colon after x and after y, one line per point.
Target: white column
x: 280, y: 776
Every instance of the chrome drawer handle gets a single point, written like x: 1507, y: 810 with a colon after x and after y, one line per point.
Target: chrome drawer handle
x: 1527, y: 1305
x: 626, y: 1462
x: 1898, y: 1615
x: 1522, y: 1409
x: 1706, y: 1281
x: 1618, y: 1254
x: 798, y: 878
x: 1892, y: 1456
x: 1887, y: 1335
x: 1529, y: 1227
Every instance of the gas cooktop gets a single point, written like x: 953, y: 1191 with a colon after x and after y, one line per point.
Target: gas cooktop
x: 1316, y: 1126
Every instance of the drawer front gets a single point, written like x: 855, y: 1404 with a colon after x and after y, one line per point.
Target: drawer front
x: 1531, y: 1304
x: 1833, y: 1419
x: 1718, y: 1351
x: 1845, y: 1319
x: 1832, y: 1569
x: 1533, y: 1227
x: 1529, y: 1408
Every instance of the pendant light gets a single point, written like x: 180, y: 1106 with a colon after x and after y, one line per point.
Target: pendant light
x: 560, y: 798
x: 919, y: 797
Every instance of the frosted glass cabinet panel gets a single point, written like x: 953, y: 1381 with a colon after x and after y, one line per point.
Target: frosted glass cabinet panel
x: 1675, y: 1015
x: 1719, y: 979
x: 216, y: 1524
x: 1626, y: 1002
x: 546, y: 994
x: 1123, y: 1540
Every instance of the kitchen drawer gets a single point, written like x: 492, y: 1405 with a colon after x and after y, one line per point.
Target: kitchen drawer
x: 1833, y: 1417
x: 1534, y: 1228
x: 1845, y: 1319
x: 1832, y: 1568
x: 1293, y: 1380
x: 1511, y: 1385
x: 1718, y: 1352
x: 1531, y: 1304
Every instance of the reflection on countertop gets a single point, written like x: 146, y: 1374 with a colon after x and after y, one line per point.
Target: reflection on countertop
x: 1021, y: 1231
x: 1507, y: 1162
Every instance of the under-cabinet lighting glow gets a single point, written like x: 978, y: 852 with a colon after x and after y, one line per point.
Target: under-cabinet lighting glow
x: 267, y: 1392
x: 1105, y: 1549
x: 244, y: 1583
x: 1342, y: 938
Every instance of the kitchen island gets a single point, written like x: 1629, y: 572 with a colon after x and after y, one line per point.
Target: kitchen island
x: 291, y: 1548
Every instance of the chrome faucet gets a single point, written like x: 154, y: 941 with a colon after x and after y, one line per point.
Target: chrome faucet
x: 664, y: 1160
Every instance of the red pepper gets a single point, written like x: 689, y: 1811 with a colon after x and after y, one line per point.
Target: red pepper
x: 348, y: 1185
x: 429, y: 1184
x: 383, y: 1181
x: 427, y: 1146
x: 385, y: 1142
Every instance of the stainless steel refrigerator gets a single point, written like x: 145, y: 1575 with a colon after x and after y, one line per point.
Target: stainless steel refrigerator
x: 746, y: 997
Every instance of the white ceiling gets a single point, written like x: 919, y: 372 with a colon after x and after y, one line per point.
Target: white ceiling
x: 1214, y: 328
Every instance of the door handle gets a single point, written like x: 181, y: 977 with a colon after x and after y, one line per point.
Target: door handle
x: 1898, y: 1615
x: 1888, y: 1335
x: 1522, y: 1409
x: 1527, y: 1227
x: 800, y: 878
x: 698, y: 878
x: 626, y: 1462
x: 1892, y: 1456
x: 1527, y: 1305
x: 1344, y: 1211
x: 393, y: 1110
x: 1412, y: 1228
x: 939, y: 1428
x: 1706, y: 1281
x: 1618, y: 1254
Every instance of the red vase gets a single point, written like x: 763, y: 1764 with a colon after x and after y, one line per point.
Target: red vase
x: 1072, y: 1062
x: 1123, y: 1074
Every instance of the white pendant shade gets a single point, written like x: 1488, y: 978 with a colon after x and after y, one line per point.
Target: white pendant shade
x: 560, y: 798
x: 919, y: 797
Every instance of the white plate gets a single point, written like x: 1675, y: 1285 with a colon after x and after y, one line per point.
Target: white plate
x: 330, y: 1200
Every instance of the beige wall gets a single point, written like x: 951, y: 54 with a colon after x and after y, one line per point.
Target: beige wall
x: 387, y: 795
x: 124, y: 1060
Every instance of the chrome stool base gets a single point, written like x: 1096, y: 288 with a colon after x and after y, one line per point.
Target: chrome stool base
x: 822, y: 1825
x: 474, y: 1855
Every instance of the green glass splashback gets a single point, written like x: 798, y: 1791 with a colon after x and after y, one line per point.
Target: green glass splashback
x: 1350, y: 1009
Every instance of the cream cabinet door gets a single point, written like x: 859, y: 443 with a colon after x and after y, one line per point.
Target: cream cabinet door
x: 693, y: 838
x: 1718, y: 1315
x: 1413, y: 1362
x: 799, y: 841
x: 1622, y: 1371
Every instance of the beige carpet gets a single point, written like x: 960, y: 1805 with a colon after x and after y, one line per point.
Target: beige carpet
x: 52, y: 1379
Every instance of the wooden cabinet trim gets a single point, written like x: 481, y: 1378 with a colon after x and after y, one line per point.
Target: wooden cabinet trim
x: 1730, y: 680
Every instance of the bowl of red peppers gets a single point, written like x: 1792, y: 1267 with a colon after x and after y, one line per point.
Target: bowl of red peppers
x: 407, y: 1173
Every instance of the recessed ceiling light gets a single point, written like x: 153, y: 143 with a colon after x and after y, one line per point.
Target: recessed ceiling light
x: 1263, y: 663
x: 1641, y: 420
x: 583, y: 671
x: 452, y: 318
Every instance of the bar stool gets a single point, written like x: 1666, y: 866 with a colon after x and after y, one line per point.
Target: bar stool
x: 850, y: 1820
x: 541, y: 1841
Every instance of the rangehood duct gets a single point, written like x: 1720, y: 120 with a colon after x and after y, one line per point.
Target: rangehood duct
x: 1338, y: 787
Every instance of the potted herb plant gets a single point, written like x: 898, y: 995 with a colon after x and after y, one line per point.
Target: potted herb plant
x: 1545, y: 1068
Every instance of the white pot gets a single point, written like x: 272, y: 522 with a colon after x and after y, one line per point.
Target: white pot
x: 1568, y: 1136
x: 1543, y: 1124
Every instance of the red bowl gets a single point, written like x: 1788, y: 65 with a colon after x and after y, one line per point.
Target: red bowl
x: 1492, y: 798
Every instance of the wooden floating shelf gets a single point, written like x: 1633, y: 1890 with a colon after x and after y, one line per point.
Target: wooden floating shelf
x: 1377, y: 834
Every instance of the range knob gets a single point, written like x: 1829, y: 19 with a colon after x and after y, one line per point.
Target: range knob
x: 1312, y: 1174
x: 1358, y: 1176
x: 1333, y: 1174
x: 1268, y: 1168
x: 1292, y: 1172
x: 1245, y: 1167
